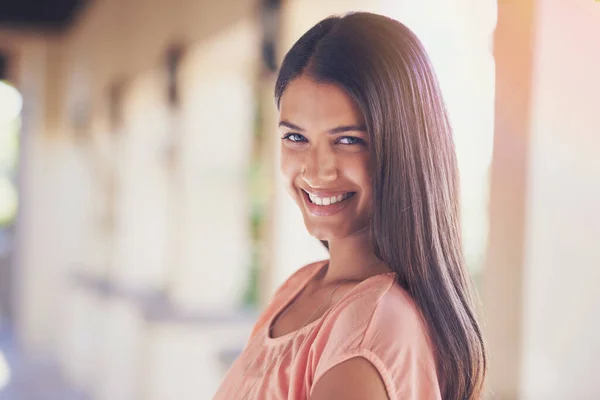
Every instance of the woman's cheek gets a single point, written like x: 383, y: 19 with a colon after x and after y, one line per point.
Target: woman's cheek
x: 289, y: 168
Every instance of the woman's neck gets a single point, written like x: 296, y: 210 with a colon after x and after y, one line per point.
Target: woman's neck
x: 352, y: 258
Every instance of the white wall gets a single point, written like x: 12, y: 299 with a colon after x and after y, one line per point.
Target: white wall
x: 216, y: 124
x: 562, y: 300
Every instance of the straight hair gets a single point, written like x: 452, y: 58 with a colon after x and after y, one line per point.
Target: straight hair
x: 415, y: 228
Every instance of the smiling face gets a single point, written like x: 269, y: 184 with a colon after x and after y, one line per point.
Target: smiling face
x: 325, y: 158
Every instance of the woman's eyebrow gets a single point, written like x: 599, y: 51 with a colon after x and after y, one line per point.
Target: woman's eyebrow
x: 339, y: 129
x: 290, y: 125
x: 348, y: 128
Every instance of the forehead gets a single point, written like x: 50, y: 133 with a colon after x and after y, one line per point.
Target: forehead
x: 317, y: 105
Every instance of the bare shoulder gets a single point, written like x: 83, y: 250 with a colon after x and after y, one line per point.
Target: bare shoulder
x: 354, y: 379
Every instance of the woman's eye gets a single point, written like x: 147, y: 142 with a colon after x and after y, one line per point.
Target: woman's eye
x: 350, y: 140
x: 294, y: 137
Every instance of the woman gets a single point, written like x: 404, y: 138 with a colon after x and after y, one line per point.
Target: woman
x: 367, y: 154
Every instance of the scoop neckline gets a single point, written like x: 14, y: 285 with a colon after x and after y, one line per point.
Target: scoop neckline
x: 290, y: 299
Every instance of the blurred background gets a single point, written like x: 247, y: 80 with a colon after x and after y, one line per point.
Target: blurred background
x: 142, y: 221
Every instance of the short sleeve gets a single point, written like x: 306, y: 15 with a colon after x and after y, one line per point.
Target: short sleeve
x: 387, y: 330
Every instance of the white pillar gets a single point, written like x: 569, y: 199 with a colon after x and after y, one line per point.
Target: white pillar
x: 561, y: 329
x: 217, y: 118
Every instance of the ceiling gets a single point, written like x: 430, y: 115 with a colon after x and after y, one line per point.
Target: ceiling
x: 38, y: 14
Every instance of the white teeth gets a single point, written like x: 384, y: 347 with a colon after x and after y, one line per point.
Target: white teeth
x: 328, y: 200
x: 314, y: 199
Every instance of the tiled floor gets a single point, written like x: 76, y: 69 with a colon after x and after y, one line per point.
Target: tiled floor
x: 30, y: 380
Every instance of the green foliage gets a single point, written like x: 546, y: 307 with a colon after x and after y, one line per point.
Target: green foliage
x: 9, y: 151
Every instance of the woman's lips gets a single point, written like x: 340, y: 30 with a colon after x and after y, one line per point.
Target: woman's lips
x: 330, y: 202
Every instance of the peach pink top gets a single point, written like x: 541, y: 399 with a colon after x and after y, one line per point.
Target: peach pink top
x: 376, y: 320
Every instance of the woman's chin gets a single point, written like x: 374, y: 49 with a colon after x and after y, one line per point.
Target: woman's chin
x: 319, y: 233
x: 325, y: 233
x: 328, y: 232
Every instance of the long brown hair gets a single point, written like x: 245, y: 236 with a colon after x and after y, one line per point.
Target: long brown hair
x: 415, y: 215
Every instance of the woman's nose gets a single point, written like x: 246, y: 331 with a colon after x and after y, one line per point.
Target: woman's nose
x: 320, y: 168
